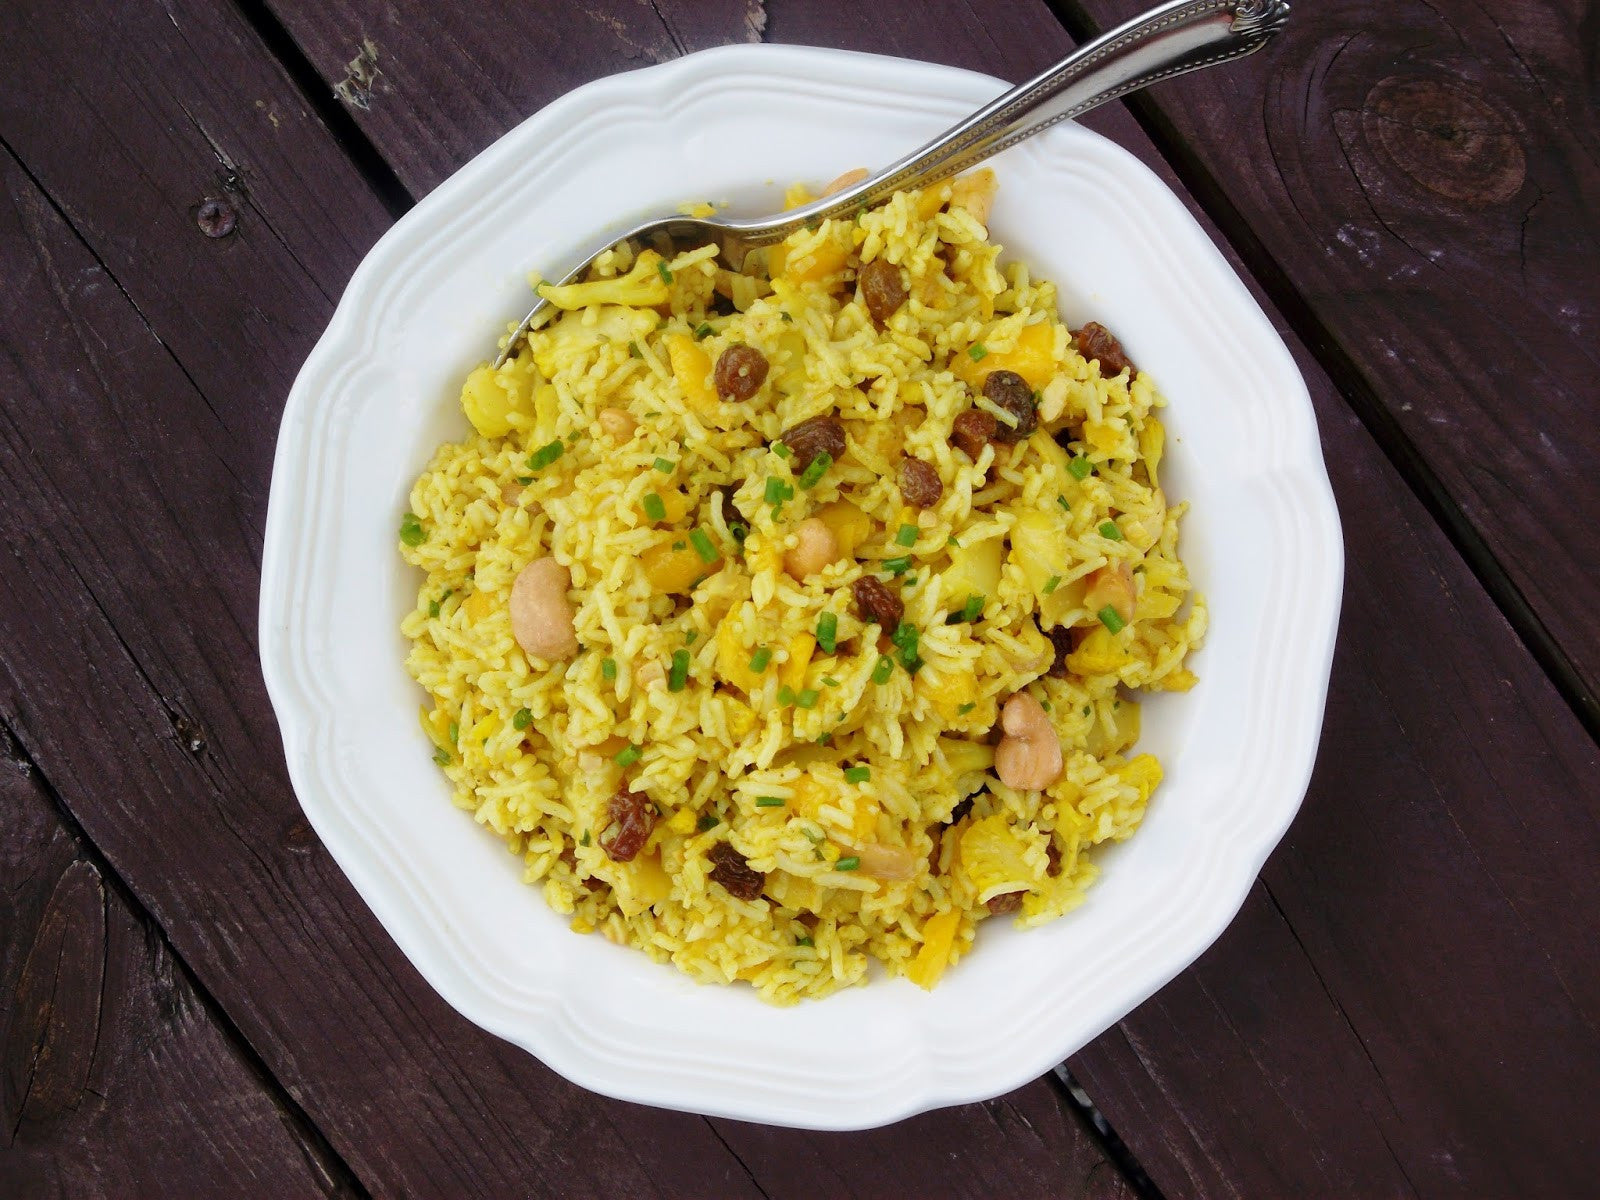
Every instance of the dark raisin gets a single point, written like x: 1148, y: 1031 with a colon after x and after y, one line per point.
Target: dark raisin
x: 1010, y: 391
x: 1097, y: 342
x: 632, y: 817
x: 1060, y: 638
x: 972, y: 431
x: 1005, y: 903
x: 1052, y: 856
x: 732, y: 871
x: 810, y: 438
x: 883, y: 288
x: 1065, y: 436
x: 875, y: 602
x: 919, y: 482
x: 740, y: 371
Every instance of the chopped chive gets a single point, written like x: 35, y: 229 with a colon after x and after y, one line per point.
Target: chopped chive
x: 702, y: 331
x: 666, y: 466
x: 769, y: 802
x: 978, y: 353
x: 608, y: 668
x: 702, y: 546
x: 808, y: 698
x: 909, y: 581
x: 824, y: 739
x: 521, y: 719
x: 634, y: 351
x: 906, y: 639
x: 546, y: 454
x: 966, y: 708
x: 678, y: 677
x: 847, y: 864
x: 433, y: 608
x: 455, y: 733
x: 442, y: 756
x: 680, y: 545
x: 760, y: 659
x: 787, y: 317
x: 707, y: 821
x: 1045, y: 704
x: 777, y: 490
x: 884, y: 669
x: 584, y: 840
x: 1111, y: 619
x: 812, y: 475
x: 829, y: 681
x: 828, y: 632
x: 1086, y: 710
x: 1109, y: 531
x: 804, y: 941
x: 857, y: 774
x: 897, y: 566
x: 627, y: 757
x: 813, y: 834
x: 786, y: 694
x: 664, y: 271
x: 524, y: 480
x: 689, y: 638
x: 907, y: 536
x: 781, y: 450
x: 1065, y: 507
x: 972, y: 609
x: 411, y: 531
x: 654, y: 507
x: 1052, y: 584
x: 1080, y: 468
x: 952, y: 541
x: 740, y: 531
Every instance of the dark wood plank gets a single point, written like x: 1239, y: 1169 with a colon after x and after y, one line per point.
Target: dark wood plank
x: 115, y: 1076
x: 1425, y: 175
x: 176, y: 772
x: 1348, y: 1035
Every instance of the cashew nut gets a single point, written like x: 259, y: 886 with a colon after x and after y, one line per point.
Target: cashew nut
x: 541, y: 614
x: 848, y: 180
x: 616, y: 423
x: 1028, y: 757
x: 815, y: 546
x: 1111, y: 585
x: 650, y: 675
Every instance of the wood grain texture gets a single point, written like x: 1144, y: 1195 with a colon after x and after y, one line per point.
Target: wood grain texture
x: 146, y: 603
x: 1262, y: 1035
x: 115, y: 1078
x: 1425, y: 175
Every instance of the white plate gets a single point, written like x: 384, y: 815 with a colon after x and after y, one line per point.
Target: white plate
x: 378, y: 394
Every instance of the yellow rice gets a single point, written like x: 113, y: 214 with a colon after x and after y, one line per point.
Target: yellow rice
x: 531, y: 747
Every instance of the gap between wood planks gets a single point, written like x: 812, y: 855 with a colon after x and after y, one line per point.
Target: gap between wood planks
x: 326, y: 1160
x: 1358, y: 392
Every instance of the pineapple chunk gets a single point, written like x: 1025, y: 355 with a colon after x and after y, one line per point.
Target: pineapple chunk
x: 1099, y: 654
x: 1143, y: 772
x: 733, y: 659
x: 1033, y: 357
x: 793, y: 673
x: 848, y: 524
x: 479, y: 605
x: 948, y: 691
x: 673, y: 572
x: 1038, y: 542
x: 1180, y: 680
x: 966, y: 758
x: 974, y: 570
x: 938, y: 939
x: 691, y: 367
x: 991, y: 857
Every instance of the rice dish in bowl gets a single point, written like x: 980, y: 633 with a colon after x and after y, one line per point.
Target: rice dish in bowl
x: 788, y: 620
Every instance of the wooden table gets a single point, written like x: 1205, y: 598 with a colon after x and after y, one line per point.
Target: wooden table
x: 195, y: 1000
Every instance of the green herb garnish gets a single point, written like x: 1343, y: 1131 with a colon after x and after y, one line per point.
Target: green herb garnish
x: 812, y: 475
x: 907, y: 536
x: 666, y: 466
x: 584, y: 840
x: 769, y: 802
x: 978, y: 353
x: 884, y: 669
x: 1109, y: 531
x: 966, y: 708
x: 1111, y: 619
x: 546, y: 454
x: 702, y: 331
x: 521, y: 719
x: 786, y: 694
x: 847, y: 864
x: 857, y: 774
x: 828, y: 632
x: 678, y: 677
x: 411, y: 531
x: 654, y: 507
x: 442, y: 756
x: 664, y: 271
x: 808, y: 698
x: 760, y: 659
x: 897, y: 566
x: 777, y: 490
x: 628, y: 756
x: 707, y: 821
x: 804, y: 941
x: 702, y: 546
x: 1080, y: 468
x: 608, y: 668
x: 971, y: 610
x: 1052, y: 584
x: 781, y: 450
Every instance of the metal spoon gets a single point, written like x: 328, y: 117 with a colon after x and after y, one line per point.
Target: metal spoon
x: 1171, y: 39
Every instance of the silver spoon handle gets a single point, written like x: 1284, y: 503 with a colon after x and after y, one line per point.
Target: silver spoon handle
x: 1174, y: 38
